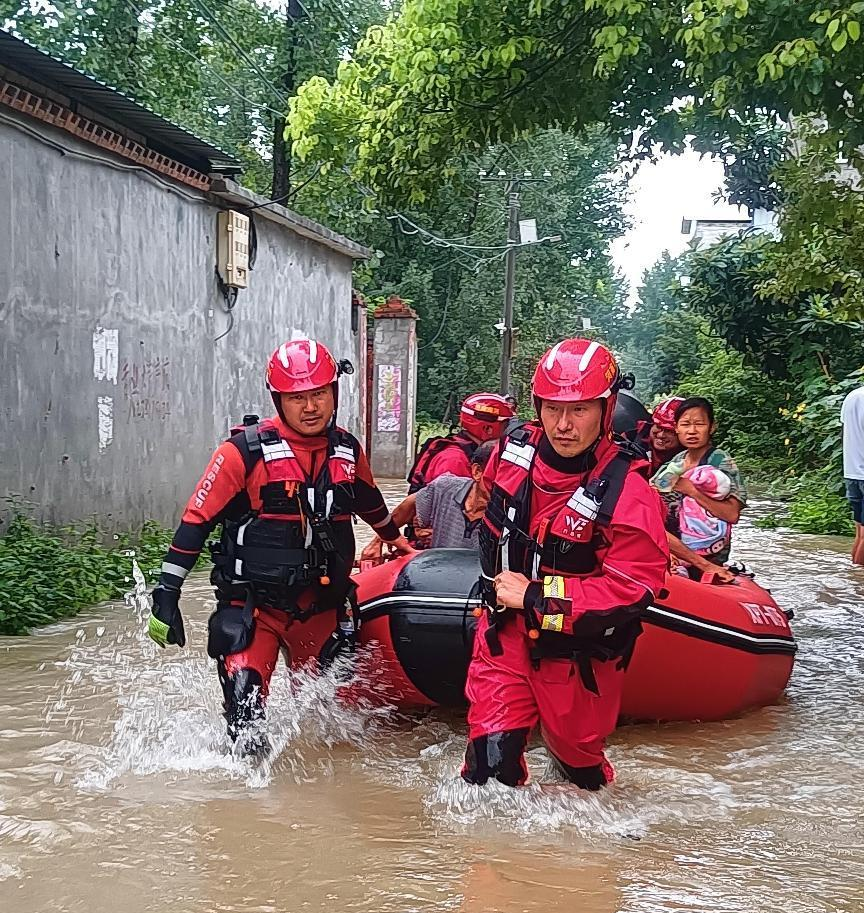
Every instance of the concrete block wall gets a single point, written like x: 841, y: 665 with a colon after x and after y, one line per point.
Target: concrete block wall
x: 113, y: 387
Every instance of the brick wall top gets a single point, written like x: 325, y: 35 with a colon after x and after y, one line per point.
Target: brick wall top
x: 395, y: 307
x: 50, y: 112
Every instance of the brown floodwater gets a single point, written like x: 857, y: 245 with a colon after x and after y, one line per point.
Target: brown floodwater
x: 117, y: 792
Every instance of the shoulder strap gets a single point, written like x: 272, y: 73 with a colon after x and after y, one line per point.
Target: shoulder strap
x: 247, y: 440
x: 431, y: 447
x: 466, y: 444
x: 614, y: 476
x: 339, y: 437
x: 522, y: 435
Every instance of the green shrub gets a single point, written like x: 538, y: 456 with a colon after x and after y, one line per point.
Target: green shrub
x: 47, y: 574
x: 815, y: 505
x: 771, y: 521
x: 821, y: 511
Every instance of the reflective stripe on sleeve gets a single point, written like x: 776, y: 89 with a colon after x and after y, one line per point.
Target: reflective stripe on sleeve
x: 175, y: 569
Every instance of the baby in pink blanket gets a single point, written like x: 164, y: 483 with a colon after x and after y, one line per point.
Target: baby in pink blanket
x: 700, y: 529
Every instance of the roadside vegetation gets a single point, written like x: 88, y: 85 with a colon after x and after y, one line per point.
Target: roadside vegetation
x: 49, y: 574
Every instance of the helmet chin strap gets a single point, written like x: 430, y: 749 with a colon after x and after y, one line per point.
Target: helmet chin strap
x: 277, y: 402
x: 332, y: 423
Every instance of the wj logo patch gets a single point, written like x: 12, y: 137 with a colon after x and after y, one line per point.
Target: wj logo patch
x: 575, y: 524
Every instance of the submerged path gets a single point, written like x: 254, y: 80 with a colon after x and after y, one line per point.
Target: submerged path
x: 116, y: 792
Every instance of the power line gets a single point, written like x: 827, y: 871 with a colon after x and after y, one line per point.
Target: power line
x: 206, y: 66
x: 68, y: 152
x: 443, y: 323
x: 514, y: 186
x: 210, y: 16
x: 460, y: 251
x: 445, y: 242
x: 287, y: 197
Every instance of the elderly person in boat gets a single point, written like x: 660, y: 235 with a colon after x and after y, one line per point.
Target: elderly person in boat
x: 447, y: 512
x: 704, y: 492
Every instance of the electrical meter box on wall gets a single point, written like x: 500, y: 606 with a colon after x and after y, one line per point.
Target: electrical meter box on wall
x: 232, y: 254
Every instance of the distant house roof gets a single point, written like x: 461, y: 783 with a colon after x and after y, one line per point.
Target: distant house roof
x: 164, y: 137
x: 687, y: 225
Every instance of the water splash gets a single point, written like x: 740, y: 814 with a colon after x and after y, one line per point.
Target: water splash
x: 168, y: 716
x: 649, y: 795
x: 138, y: 599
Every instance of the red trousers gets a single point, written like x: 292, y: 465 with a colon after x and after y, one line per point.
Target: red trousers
x: 507, y: 693
x: 277, y: 631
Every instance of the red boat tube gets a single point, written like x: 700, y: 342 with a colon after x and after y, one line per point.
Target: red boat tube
x: 708, y: 652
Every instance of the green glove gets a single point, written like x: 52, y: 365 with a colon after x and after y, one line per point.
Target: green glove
x: 166, y: 622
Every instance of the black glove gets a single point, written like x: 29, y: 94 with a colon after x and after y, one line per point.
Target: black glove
x: 341, y: 642
x: 166, y: 622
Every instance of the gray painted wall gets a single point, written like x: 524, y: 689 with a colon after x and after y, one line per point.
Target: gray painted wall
x: 88, y: 249
x: 392, y: 444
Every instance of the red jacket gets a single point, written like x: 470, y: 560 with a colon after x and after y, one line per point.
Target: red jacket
x: 226, y: 489
x: 632, y: 554
x: 451, y: 460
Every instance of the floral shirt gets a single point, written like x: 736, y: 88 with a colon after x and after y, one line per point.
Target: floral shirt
x: 666, y: 477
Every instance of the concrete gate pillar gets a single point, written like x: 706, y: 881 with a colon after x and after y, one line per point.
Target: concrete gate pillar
x: 394, y: 389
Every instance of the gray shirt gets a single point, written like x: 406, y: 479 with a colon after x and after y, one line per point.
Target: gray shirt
x: 440, y: 505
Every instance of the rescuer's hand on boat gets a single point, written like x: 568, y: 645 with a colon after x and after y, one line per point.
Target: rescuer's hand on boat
x: 510, y: 589
x: 723, y: 574
x: 166, y: 622
x: 373, y: 550
x: 423, y: 535
x: 401, y: 546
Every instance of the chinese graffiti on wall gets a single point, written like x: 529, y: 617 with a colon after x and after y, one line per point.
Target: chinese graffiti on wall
x: 147, y: 388
x: 389, y: 397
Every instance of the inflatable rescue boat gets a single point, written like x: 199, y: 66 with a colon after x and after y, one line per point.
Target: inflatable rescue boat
x: 708, y: 651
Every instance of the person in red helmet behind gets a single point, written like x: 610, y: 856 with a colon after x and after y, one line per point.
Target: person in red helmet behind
x: 662, y: 438
x: 482, y: 417
x: 572, y: 550
x: 284, y: 491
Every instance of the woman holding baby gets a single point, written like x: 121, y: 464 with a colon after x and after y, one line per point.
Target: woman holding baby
x: 703, y: 490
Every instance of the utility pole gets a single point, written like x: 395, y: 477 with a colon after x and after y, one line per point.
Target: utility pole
x: 514, y: 242
x: 281, y: 185
x: 509, y: 283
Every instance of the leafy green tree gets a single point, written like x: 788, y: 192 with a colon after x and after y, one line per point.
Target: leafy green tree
x: 447, y: 75
x: 662, y: 340
x: 748, y: 405
x: 791, y: 363
x: 818, y: 254
x: 751, y: 152
x: 783, y: 337
x: 457, y: 288
x: 223, y: 69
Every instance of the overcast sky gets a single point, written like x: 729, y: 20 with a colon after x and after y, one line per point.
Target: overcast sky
x: 676, y: 187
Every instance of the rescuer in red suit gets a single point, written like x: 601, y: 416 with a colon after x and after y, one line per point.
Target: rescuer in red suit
x: 284, y: 491
x: 663, y: 443
x: 482, y: 417
x: 573, y: 549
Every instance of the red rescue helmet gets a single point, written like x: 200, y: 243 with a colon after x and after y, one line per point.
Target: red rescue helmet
x: 576, y: 370
x: 485, y: 415
x: 300, y: 365
x: 663, y: 415
x: 304, y: 364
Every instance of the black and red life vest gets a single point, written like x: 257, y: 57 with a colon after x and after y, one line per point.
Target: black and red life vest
x: 566, y: 545
x: 302, y: 534
x: 430, y: 449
